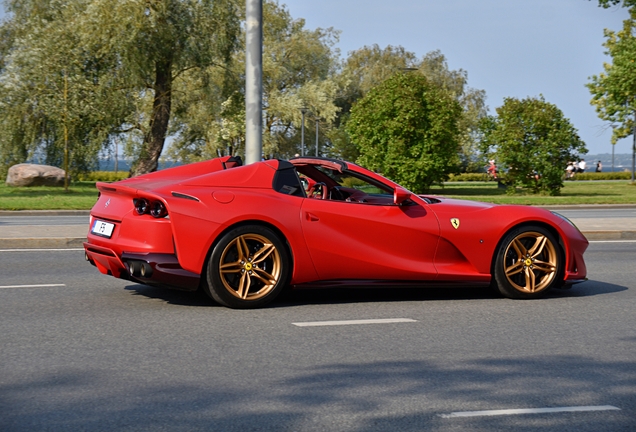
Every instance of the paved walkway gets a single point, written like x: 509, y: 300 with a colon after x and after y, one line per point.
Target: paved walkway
x: 72, y: 236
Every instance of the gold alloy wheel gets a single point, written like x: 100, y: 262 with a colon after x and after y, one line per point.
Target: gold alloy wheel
x: 530, y: 262
x: 250, y: 266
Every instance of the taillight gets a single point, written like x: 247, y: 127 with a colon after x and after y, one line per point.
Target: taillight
x: 141, y: 205
x: 158, y: 210
x: 155, y: 208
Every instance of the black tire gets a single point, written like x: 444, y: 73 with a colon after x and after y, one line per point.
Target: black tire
x: 528, y: 264
x: 248, y: 268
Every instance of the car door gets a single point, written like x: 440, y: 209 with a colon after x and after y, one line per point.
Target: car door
x: 353, y: 240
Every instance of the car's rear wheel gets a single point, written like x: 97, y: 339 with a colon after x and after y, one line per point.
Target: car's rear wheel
x: 248, y: 267
x: 528, y: 263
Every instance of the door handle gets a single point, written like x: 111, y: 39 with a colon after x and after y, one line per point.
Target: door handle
x: 311, y: 218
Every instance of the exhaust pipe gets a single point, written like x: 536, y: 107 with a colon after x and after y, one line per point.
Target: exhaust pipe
x: 133, y: 268
x: 139, y: 269
x: 146, y: 270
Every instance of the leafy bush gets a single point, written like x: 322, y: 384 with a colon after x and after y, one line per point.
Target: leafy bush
x: 534, y: 140
x: 407, y: 129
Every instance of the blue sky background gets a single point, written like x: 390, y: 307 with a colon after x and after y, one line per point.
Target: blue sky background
x: 510, y: 48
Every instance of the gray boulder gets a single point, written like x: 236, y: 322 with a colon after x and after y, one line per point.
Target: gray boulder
x: 35, y: 175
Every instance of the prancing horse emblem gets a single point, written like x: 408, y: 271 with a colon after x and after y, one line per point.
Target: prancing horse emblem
x: 455, y: 223
x: 107, y: 203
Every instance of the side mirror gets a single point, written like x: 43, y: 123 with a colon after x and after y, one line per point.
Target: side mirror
x: 400, y: 195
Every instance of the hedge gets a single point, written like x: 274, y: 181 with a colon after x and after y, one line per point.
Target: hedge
x: 102, y: 176
x: 468, y: 177
x: 619, y: 175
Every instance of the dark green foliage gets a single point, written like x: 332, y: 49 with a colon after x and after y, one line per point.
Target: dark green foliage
x: 406, y: 128
x: 532, y: 142
x: 101, y: 176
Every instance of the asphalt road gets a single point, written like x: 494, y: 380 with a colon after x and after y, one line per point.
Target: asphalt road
x: 98, y: 354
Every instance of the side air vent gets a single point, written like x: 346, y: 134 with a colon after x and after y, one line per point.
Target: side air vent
x: 184, y: 196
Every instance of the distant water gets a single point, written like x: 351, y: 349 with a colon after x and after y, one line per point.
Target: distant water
x: 622, y: 162
x: 124, y: 165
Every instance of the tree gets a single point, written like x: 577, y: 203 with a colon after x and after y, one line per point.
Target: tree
x: 406, y: 128
x: 56, y: 98
x: 609, y: 3
x: 614, y: 90
x: 371, y: 65
x: 298, y: 65
x: 122, y: 61
x: 473, y: 102
x: 158, y: 41
x: 534, y: 141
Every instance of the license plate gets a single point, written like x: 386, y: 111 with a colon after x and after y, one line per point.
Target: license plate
x: 101, y: 228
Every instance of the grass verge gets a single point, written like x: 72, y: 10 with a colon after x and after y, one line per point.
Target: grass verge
x: 82, y: 195
x: 580, y: 192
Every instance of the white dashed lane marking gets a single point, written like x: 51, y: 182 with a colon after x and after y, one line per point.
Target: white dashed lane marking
x: 33, y: 286
x: 528, y: 411
x: 354, y: 322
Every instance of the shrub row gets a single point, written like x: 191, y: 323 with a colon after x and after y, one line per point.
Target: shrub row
x: 619, y: 175
x: 468, y: 177
x: 102, y: 176
x: 622, y: 175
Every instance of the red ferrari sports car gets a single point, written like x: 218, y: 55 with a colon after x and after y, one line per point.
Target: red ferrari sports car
x: 244, y: 233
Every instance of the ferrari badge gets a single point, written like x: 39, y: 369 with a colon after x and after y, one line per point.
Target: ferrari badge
x: 455, y: 223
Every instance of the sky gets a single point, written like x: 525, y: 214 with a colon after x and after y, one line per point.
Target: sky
x: 509, y: 48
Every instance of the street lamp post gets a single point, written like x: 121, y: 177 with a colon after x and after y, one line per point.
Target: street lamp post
x: 253, y: 81
x: 634, y: 147
x: 303, y: 110
x: 317, y: 123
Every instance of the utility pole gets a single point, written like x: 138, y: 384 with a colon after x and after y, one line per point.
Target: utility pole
x: 317, y: 123
x: 66, y: 132
x: 253, y: 81
x: 303, y: 111
x: 634, y: 147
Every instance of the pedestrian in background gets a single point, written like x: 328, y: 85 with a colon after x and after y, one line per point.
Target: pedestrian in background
x: 599, y: 166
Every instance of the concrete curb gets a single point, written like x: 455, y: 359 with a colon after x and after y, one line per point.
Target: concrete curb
x: 42, y: 243
x: 609, y: 235
x: 45, y: 212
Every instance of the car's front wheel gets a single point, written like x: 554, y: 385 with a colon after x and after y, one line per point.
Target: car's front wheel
x: 248, y: 267
x: 528, y: 263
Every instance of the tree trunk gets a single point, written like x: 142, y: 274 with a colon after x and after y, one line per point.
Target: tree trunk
x: 148, y: 158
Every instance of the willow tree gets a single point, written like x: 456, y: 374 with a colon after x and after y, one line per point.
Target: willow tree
x: 56, y: 97
x: 298, y: 68
x: 120, y: 60
x: 158, y: 41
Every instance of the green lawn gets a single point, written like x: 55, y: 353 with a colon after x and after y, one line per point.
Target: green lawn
x: 574, y: 192
x: 82, y: 195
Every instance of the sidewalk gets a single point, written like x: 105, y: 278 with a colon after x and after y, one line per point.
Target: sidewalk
x: 72, y: 236
x: 43, y: 236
